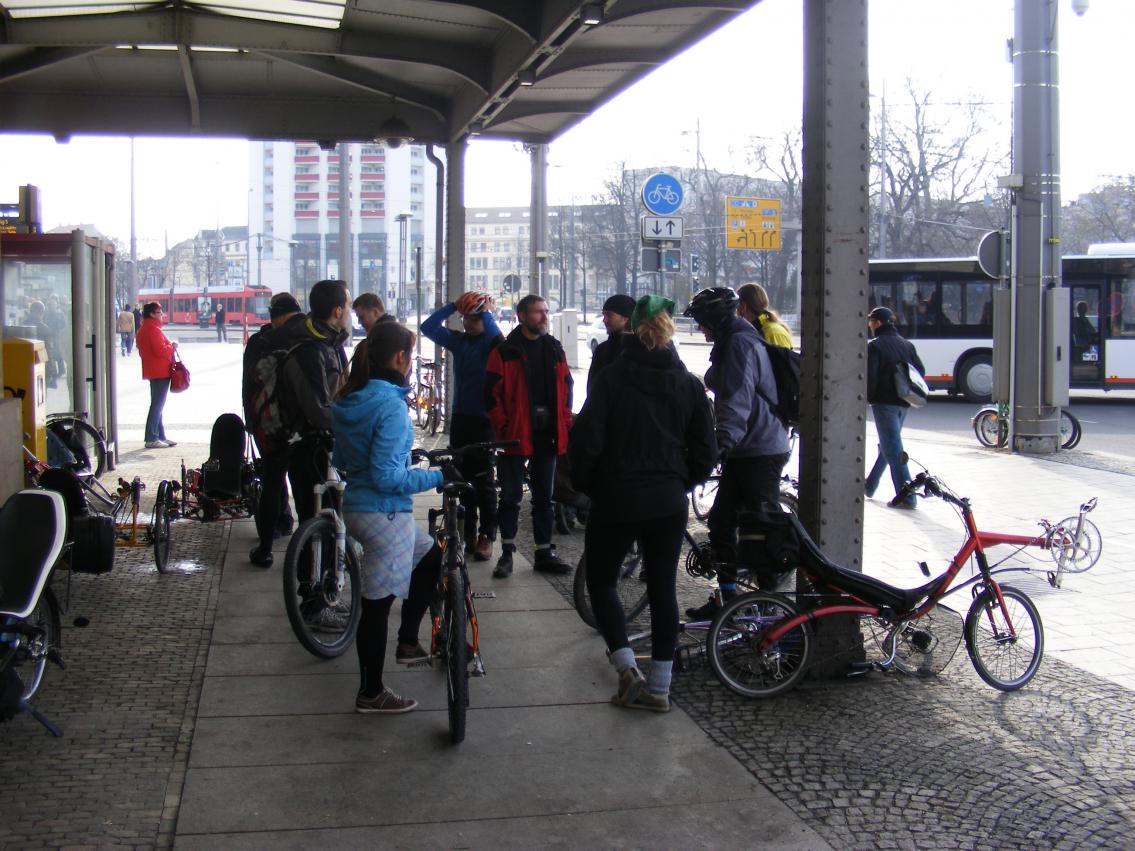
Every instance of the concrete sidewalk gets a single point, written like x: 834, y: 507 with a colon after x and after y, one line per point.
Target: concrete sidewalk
x: 280, y: 757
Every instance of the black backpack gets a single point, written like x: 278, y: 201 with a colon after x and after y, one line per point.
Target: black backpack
x: 271, y: 414
x: 786, y: 373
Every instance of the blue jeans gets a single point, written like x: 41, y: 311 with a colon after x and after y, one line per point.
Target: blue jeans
x: 541, y: 474
x: 155, y: 429
x: 888, y: 423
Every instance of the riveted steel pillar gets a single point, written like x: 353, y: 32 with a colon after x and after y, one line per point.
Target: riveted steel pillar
x: 455, y: 230
x: 833, y: 326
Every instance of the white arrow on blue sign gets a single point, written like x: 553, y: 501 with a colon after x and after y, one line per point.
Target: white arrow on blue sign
x: 662, y: 194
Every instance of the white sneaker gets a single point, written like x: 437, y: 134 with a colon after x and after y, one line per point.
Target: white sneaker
x: 169, y: 442
x: 155, y: 444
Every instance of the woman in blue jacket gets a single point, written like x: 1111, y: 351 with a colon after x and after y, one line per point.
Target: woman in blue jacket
x: 373, y: 438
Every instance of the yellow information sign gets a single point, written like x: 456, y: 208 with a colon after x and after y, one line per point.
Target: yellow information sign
x: 752, y: 223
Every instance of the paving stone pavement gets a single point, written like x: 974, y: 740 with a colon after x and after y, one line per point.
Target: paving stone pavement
x: 887, y: 761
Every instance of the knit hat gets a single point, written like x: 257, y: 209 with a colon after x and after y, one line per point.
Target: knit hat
x: 882, y: 314
x: 282, y: 304
x: 650, y: 306
x: 621, y: 304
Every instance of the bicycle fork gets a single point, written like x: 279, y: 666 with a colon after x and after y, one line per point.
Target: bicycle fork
x: 318, y: 578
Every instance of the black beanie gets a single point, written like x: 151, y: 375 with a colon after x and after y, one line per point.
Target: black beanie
x: 621, y: 304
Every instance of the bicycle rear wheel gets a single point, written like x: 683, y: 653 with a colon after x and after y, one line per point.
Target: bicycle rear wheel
x: 630, y: 586
x: 84, y: 441
x: 323, y: 598
x: 737, y: 651
x: 30, y: 661
x: 1005, y: 643
x: 159, y: 525
x: 433, y: 416
x: 456, y: 653
x: 990, y: 429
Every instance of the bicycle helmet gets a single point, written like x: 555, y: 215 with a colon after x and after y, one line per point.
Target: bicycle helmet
x: 711, y: 306
x: 473, y: 303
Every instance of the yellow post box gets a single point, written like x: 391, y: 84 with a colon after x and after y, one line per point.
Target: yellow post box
x: 25, y: 371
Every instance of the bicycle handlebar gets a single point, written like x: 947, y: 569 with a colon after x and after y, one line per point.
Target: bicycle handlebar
x: 438, y: 457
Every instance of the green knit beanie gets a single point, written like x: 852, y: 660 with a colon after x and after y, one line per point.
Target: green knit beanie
x: 649, y: 306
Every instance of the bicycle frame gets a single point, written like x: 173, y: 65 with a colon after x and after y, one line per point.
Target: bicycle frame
x: 334, y: 485
x: 449, y: 535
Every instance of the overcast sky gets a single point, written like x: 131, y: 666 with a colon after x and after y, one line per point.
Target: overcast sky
x: 741, y: 83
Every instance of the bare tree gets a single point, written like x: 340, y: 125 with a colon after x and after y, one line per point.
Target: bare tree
x: 931, y: 168
x: 781, y: 160
x: 1106, y: 214
x: 613, y: 236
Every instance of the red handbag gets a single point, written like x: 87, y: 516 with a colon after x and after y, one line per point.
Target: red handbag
x: 178, y: 375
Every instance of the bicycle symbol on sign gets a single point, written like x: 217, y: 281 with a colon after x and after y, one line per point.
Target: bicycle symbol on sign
x: 662, y: 193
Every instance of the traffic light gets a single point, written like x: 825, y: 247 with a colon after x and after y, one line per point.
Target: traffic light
x: 671, y: 260
x: 695, y: 264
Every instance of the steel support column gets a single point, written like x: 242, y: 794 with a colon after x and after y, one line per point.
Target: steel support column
x: 833, y: 322
x: 538, y: 220
x: 455, y: 231
x: 1036, y: 250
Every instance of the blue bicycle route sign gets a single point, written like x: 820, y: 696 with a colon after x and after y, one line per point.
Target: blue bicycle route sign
x: 662, y: 194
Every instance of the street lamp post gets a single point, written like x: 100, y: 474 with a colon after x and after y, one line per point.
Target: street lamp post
x: 259, y: 260
x: 402, y: 219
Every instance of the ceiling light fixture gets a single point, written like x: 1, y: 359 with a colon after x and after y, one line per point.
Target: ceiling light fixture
x: 394, y: 131
x: 591, y: 15
x: 526, y: 77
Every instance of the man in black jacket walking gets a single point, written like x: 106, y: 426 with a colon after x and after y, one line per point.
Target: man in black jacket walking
x: 885, y: 353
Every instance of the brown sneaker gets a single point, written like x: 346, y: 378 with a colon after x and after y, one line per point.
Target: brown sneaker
x: 411, y: 654
x: 385, y: 703
x: 650, y: 702
x: 631, y: 683
x: 483, y: 551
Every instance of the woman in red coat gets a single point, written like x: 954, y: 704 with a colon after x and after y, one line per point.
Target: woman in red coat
x: 156, y: 350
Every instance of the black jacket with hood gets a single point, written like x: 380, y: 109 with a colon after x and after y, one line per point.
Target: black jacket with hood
x: 645, y: 436
x: 884, y: 353
x: 315, y: 369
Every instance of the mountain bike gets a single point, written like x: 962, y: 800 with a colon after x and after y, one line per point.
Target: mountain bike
x: 991, y: 426
x: 322, y: 579
x: 455, y: 632
x: 33, y: 527
x: 760, y: 644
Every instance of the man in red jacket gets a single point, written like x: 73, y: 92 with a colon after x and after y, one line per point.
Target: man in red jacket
x: 528, y: 399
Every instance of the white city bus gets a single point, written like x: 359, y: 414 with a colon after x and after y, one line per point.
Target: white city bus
x: 945, y: 307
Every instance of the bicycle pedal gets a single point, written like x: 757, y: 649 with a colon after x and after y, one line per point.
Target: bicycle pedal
x: 484, y: 595
x: 478, y: 668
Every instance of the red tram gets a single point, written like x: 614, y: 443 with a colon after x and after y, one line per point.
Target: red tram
x: 197, y: 306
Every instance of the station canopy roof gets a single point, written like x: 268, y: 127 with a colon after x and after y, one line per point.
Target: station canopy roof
x: 431, y: 70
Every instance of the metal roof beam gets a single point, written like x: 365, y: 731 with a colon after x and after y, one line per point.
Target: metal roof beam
x: 40, y: 58
x: 580, y: 58
x: 522, y: 15
x: 190, y: 86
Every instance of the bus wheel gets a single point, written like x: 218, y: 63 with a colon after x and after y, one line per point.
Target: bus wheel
x: 975, y: 379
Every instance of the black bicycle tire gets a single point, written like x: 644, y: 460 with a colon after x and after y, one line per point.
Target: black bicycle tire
x: 433, y: 416
x: 982, y: 432
x: 53, y: 639
x: 159, y: 526
x: 1076, y: 429
x: 633, y: 604
x: 717, y: 644
x: 305, y: 532
x: 974, y: 641
x: 66, y: 429
x: 456, y: 654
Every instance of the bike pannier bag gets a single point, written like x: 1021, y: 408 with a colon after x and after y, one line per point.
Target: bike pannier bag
x: 92, y: 543
x: 767, y: 543
x: 910, y: 386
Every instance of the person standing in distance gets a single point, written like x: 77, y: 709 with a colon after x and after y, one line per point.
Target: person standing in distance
x: 616, y: 315
x: 156, y: 351
x: 643, y: 439
x: 885, y: 352
x: 754, y: 307
x: 528, y: 399
x: 470, y: 423
x: 751, y: 439
x: 219, y: 319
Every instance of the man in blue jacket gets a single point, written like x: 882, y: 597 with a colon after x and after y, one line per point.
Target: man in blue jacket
x: 751, y: 439
x: 470, y: 423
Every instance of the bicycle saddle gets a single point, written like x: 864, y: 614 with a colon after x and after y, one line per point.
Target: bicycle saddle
x: 858, y: 584
x: 33, y: 527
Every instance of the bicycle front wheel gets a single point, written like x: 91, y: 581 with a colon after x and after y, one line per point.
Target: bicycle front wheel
x: 630, y: 586
x: 322, y: 594
x: 84, y: 441
x: 990, y: 429
x: 159, y: 525
x: 702, y: 497
x: 1004, y: 642
x: 456, y: 655
x: 433, y: 417
x: 30, y: 661
x: 1070, y: 430
x: 742, y: 657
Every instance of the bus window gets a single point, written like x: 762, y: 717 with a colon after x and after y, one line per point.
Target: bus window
x: 979, y: 308
x: 906, y: 311
x: 951, y: 305
x: 1123, y: 307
